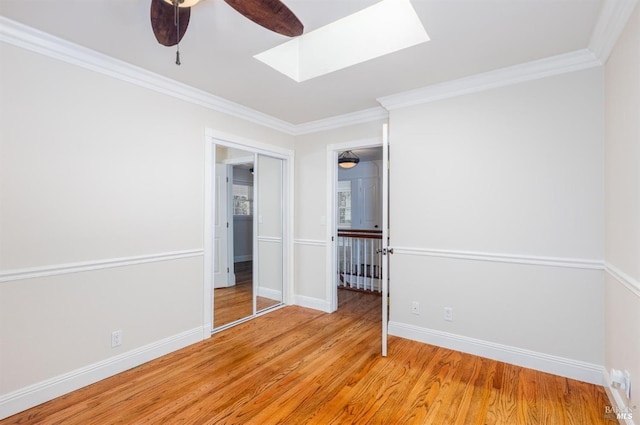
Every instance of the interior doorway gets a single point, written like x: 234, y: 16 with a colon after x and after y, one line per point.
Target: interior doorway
x: 373, y: 271
x: 355, y: 217
x: 359, y: 221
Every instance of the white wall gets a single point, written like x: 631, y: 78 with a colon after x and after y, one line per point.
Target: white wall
x: 622, y: 185
x: 96, y: 173
x: 497, y: 212
x: 311, y: 250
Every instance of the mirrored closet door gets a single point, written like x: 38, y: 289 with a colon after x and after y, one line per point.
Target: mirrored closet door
x: 247, y: 235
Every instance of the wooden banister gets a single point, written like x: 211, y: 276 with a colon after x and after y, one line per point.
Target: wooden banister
x: 360, y: 233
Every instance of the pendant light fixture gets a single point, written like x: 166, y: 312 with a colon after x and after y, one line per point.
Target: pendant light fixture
x: 183, y: 3
x: 348, y: 159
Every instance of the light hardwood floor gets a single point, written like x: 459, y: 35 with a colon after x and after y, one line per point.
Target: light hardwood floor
x: 236, y: 302
x: 299, y: 366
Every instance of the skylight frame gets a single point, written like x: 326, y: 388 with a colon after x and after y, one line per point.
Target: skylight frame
x: 378, y: 30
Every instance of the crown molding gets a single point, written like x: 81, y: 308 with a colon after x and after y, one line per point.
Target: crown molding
x: 613, y: 18
x: 28, y: 38
x: 368, y: 115
x: 611, y: 22
x: 554, y: 65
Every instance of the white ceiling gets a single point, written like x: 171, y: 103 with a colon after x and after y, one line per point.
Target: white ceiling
x: 467, y: 37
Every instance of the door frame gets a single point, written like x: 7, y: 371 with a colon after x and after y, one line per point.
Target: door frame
x: 215, y: 137
x: 331, y: 218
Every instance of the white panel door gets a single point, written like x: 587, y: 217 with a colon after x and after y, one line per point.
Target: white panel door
x: 369, y: 204
x: 221, y: 229
x: 386, y: 251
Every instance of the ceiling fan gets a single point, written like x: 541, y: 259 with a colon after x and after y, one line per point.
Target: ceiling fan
x: 170, y: 18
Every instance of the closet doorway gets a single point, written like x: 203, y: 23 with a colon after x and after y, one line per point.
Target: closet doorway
x: 245, y: 253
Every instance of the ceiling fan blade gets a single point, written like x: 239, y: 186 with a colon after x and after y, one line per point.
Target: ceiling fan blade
x: 163, y: 22
x: 271, y: 14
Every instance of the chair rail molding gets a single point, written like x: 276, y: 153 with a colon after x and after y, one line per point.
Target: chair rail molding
x: 310, y: 242
x: 58, y: 269
x: 630, y: 283
x: 574, y: 263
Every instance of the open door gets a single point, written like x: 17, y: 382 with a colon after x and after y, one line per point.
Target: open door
x: 221, y: 259
x: 386, y: 250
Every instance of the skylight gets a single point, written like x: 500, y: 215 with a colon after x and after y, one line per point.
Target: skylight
x: 385, y: 27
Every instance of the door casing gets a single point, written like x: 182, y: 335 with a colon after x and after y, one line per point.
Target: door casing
x: 331, y: 218
x: 216, y: 137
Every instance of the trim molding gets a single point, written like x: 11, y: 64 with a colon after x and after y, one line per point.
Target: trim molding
x: 632, y: 284
x: 573, y: 263
x: 49, y: 389
x: 613, y: 18
x: 310, y: 242
x: 23, y: 36
x: 270, y: 293
x: 313, y: 303
x: 269, y: 239
x: 547, y: 67
x: 611, y: 23
x: 58, y: 269
x: 574, y: 369
x: 37, y: 41
x: 242, y: 258
x: 367, y: 115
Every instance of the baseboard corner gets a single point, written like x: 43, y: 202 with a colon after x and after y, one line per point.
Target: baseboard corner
x: 313, y: 303
x: 569, y: 368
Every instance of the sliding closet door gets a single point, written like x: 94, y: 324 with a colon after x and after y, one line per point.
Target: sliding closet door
x: 270, y: 231
x: 248, y: 269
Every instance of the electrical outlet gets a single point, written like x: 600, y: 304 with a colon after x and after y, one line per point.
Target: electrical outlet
x: 622, y: 381
x: 116, y: 338
x: 415, y: 307
x: 448, y: 314
x: 627, y: 384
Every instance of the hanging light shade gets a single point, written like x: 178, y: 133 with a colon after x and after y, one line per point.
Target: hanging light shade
x: 184, y: 3
x: 348, y: 159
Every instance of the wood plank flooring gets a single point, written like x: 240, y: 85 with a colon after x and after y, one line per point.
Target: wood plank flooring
x: 236, y: 302
x: 299, y: 366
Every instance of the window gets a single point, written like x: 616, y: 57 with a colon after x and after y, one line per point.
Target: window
x: 344, y: 203
x: 242, y: 199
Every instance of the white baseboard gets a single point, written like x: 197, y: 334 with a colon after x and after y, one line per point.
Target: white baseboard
x: 314, y: 303
x: 574, y: 369
x: 41, y: 392
x: 620, y: 409
x: 272, y: 294
x: 242, y: 258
